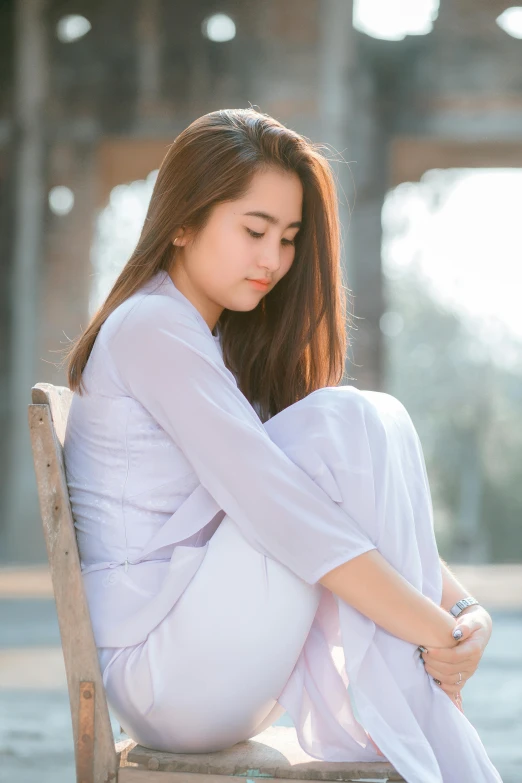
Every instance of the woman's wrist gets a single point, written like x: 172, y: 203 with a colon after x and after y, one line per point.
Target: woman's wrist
x: 463, y: 603
x: 480, y: 612
x: 444, y: 638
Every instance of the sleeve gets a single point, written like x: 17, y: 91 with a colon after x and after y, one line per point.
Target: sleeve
x: 171, y: 367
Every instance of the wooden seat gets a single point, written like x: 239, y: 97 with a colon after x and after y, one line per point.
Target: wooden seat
x: 273, y: 754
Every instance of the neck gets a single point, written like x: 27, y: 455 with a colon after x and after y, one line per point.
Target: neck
x: 208, y: 309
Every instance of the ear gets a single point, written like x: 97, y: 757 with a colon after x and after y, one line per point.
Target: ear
x: 179, y: 238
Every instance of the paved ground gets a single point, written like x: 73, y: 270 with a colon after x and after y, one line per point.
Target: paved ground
x: 35, y: 727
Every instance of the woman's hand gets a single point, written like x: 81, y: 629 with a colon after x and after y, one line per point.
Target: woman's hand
x: 446, y: 663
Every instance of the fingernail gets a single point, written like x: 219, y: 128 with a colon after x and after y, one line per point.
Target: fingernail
x: 422, y: 649
x: 457, y: 633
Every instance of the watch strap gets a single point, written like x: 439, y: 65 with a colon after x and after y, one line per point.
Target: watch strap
x: 459, y: 607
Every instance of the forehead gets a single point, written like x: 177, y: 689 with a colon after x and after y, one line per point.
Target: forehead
x: 274, y: 191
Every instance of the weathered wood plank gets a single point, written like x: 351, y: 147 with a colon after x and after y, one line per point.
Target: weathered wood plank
x: 59, y: 399
x: 123, y: 748
x: 85, y: 747
x: 130, y: 775
x: 79, y: 649
x: 275, y: 753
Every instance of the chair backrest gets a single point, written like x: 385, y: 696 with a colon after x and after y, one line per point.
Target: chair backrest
x: 95, y: 754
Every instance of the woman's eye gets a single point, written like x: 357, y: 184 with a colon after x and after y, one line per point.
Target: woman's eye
x: 255, y: 235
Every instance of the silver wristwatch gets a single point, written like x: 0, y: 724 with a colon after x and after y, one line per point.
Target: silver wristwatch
x: 462, y: 604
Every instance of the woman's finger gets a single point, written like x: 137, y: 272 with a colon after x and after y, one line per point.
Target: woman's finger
x: 450, y: 681
x: 467, y: 659
x: 448, y: 669
x: 450, y: 688
x: 468, y: 624
x: 448, y: 673
x: 450, y: 685
x: 469, y: 648
x: 447, y: 678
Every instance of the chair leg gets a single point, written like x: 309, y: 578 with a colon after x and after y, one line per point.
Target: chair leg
x: 85, y: 742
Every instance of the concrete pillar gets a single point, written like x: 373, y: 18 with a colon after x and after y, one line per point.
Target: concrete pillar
x: 368, y: 151
x: 22, y: 537
x: 67, y: 280
x: 337, y: 62
x: 350, y: 124
x: 148, y: 56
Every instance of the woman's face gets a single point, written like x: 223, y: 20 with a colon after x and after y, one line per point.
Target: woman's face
x: 215, y: 269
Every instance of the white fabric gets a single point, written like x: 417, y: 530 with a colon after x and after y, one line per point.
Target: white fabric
x: 243, y: 655
x: 166, y: 460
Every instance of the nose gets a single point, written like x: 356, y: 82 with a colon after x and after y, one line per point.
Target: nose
x: 270, y: 259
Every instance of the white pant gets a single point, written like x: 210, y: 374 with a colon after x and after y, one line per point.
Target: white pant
x: 221, y: 656
x: 247, y: 633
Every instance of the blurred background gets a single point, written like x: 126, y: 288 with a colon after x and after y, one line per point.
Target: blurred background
x: 420, y: 104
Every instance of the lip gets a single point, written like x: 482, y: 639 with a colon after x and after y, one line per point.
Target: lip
x: 260, y: 284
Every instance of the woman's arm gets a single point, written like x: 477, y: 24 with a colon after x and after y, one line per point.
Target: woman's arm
x: 165, y: 360
x: 453, y: 591
x: 476, y: 625
x: 473, y: 619
x: 173, y: 368
x: 371, y: 585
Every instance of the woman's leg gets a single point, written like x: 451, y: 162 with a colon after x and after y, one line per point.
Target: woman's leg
x: 364, y: 450
x: 243, y: 621
x: 210, y: 674
x: 233, y: 620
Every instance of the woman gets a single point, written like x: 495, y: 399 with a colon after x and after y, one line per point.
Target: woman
x: 239, y: 515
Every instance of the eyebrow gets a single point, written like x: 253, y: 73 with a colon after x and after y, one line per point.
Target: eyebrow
x: 272, y: 219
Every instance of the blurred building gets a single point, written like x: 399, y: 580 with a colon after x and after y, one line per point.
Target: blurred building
x: 92, y: 93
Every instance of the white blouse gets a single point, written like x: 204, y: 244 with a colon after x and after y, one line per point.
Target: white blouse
x: 163, y: 444
x: 160, y: 447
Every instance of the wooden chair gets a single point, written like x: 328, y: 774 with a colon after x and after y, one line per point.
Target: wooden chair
x: 274, y: 754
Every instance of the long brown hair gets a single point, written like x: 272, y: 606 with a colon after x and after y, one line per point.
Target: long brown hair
x: 294, y: 341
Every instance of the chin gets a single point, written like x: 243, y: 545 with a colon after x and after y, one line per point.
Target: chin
x: 244, y: 305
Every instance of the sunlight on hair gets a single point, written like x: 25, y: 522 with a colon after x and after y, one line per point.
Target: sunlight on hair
x: 117, y: 231
x: 393, y: 20
x: 72, y: 28
x: 61, y: 200
x: 460, y: 229
x: 219, y: 27
x: 511, y: 21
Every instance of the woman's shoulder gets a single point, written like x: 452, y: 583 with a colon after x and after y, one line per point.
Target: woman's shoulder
x: 148, y: 312
x: 163, y: 327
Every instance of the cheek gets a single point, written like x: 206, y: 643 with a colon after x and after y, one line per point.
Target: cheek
x: 287, y: 261
x: 232, y: 248
x: 217, y: 255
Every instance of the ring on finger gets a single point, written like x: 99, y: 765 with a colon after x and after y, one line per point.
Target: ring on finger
x: 437, y: 681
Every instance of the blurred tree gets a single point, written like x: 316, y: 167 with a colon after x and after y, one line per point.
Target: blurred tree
x: 466, y: 403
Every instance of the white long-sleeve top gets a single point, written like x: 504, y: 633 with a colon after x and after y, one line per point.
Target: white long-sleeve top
x: 163, y: 441
x: 163, y: 444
